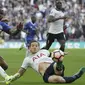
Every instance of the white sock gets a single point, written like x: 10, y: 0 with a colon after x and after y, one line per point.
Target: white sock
x: 2, y: 72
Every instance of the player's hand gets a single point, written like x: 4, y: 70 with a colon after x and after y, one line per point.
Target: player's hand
x: 20, y: 26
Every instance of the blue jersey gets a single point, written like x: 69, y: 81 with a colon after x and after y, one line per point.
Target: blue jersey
x: 31, y: 28
x: 4, y: 27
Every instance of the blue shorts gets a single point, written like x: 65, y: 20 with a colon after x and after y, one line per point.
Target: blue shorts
x: 50, y: 71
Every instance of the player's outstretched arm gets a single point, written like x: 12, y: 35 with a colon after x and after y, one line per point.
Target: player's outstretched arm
x: 19, y: 27
x: 15, y: 76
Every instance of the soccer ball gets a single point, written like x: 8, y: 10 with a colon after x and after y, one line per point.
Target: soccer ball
x: 57, y: 55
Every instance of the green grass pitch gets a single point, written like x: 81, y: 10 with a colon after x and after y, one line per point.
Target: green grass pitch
x: 73, y: 62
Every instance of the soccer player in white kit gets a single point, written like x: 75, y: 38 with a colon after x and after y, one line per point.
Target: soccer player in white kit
x: 56, y: 23
x: 40, y: 61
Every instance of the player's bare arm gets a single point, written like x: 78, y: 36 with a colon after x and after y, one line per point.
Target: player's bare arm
x: 16, y: 30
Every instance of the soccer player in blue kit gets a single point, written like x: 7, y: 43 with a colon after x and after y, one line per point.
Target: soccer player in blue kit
x: 6, y: 28
x: 30, y: 28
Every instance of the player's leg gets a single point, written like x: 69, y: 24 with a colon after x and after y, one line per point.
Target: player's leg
x: 3, y: 73
x: 59, y: 67
x: 49, y: 41
x: 50, y: 77
x: 62, y: 43
x: 55, y: 74
x: 61, y: 79
x: 3, y: 63
x: 61, y: 40
x: 51, y: 73
x: 3, y: 66
x: 75, y: 76
x: 22, y: 46
x: 27, y: 47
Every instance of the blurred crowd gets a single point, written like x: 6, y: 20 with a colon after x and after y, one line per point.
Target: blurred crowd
x: 21, y: 10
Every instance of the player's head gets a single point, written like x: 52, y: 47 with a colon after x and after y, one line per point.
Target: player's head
x: 33, y: 18
x: 58, y: 4
x: 34, y: 46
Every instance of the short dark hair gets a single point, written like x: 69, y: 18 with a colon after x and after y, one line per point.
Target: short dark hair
x: 32, y: 42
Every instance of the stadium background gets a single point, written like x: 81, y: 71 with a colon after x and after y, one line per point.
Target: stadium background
x: 20, y: 10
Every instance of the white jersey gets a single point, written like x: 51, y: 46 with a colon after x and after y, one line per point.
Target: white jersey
x: 34, y: 60
x: 57, y: 26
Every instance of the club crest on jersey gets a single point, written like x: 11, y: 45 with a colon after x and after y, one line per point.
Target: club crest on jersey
x: 38, y: 56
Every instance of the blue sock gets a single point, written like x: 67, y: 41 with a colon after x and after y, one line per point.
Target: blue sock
x: 73, y: 78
